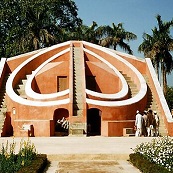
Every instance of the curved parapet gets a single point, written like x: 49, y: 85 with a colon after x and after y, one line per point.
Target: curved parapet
x: 159, y: 91
x: 28, y: 89
x: 124, y: 89
x: 2, y: 67
x: 10, y: 87
x: 117, y: 98
x: 165, y: 114
x: 141, y: 84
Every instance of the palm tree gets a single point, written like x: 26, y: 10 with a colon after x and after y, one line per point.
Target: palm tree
x: 29, y: 25
x: 115, y: 36
x: 84, y: 32
x: 78, y: 33
x: 158, y: 47
x: 91, y: 33
x: 37, y: 31
x: 146, y: 47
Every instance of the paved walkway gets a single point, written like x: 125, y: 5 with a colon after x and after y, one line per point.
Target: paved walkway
x: 86, y: 154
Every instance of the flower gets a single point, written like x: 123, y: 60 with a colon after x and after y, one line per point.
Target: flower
x: 159, y: 151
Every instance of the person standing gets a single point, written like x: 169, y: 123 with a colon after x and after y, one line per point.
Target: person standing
x: 144, y: 124
x: 150, y: 123
x: 138, y: 123
x: 157, y: 122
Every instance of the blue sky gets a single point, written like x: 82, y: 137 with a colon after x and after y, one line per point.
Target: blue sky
x: 137, y: 16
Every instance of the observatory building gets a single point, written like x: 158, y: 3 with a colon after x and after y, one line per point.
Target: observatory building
x: 77, y: 88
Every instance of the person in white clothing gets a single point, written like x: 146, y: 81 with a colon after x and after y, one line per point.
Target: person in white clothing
x: 144, y: 128
x: 157, y: 122
x: 138, y: 123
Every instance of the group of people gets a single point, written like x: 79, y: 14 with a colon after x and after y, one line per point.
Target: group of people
x: 147, y: 123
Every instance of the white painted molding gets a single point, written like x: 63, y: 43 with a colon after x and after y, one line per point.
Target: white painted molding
x: 29, y: 91
x: 9, y: 88
x: 2, y: 64
x: 124, y: 90
x: 159, y: 91
x: 142, y: 91
x: 126, y: 55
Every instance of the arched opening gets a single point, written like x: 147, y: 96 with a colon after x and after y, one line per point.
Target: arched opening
x: 61, y: 122
x: 93, y: 122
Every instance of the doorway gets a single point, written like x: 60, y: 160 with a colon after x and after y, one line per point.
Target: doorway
x: 61, y: 122
x: 93, y: 122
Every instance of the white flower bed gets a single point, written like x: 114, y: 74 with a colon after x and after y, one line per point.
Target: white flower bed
x: 159, y: 151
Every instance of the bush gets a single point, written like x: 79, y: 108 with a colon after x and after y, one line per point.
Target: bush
x: 11, y: 162
x: 157, y: 153
x: 146, y: 166
x: 37, y: 165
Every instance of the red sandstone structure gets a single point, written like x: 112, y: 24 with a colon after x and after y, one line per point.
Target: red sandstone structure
x: 78, y: 88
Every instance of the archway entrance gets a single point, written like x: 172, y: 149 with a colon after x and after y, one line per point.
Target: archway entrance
x: 93, y: 122
x: 61, y: 122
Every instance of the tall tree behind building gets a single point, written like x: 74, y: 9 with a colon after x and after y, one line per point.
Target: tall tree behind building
x: 158, y: 47
x: 27, y: 25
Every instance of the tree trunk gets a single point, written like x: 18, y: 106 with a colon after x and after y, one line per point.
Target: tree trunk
x: 164, y: 82
x: 157, y: 71
x: 164, y: 79
x: 162, y: 74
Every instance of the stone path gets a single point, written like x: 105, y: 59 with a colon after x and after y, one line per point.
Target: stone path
x: 119, y: 166
x: 86, y: 154
x: 109, y: 166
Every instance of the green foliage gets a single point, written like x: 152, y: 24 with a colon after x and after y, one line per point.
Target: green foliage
x: 28, y: 25
x: 7, y: 157
x: 169, y: 97
x: 26, y: 153
x: 158, y: 46
x: 11, y: 162
x: 115, y: 36
x: 37, y: 165
x: 144, y: 165
x: 158, y: 151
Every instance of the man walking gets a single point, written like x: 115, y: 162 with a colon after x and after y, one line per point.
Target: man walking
x: 138, y: 124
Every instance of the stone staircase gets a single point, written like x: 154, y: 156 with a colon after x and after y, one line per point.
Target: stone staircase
x: 20, y: 87
x: 132, y: 86
x: 77, y: 83
x: 152, y: 104
x: 77, y: 128
x: 3, y: 106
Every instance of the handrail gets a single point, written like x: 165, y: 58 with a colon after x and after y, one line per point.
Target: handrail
x: 2, y: 64
x: 2, y: 67
x: 159, y: 91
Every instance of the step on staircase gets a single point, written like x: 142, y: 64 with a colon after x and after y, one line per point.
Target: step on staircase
x: 78, y: 127
x: 132, y: 86
x: 152, y: 104
x: 77, y: 83
x: 20, y: 87
x: 3, y: 106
